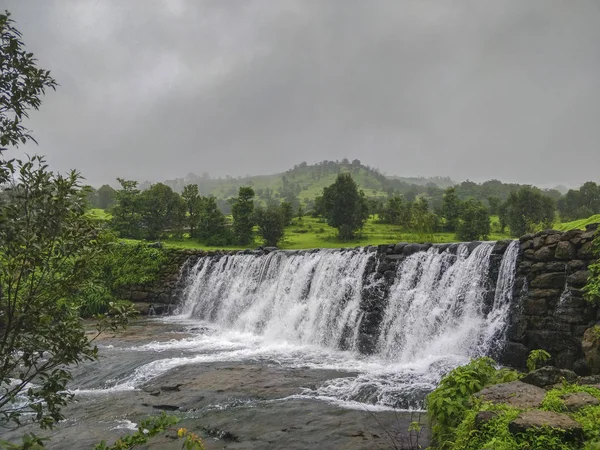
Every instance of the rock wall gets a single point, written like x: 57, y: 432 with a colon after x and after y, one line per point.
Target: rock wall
x: 549, y: 311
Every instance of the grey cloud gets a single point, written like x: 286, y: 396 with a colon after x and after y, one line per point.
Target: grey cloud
x: 470, y: 89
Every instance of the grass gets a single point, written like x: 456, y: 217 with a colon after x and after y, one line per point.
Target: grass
x: 315, y: 233
x: 100, y: 214
x: 577, y: 224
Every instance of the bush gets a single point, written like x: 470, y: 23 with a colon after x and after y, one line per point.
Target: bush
x: 449, y: 402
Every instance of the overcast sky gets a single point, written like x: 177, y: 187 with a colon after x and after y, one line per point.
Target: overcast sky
x: 153, y: 90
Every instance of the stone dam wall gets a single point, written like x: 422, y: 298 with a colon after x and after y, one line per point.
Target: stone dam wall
x: 548, y: 310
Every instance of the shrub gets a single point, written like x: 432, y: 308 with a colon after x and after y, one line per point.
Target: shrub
x: 449, y: 402
x: 537, y: 357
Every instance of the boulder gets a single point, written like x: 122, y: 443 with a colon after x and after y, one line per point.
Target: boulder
x: 516, y: 393
x: 553, y: 238
x: 578, y: 400
x: 578, y: 279
x: 572, y: 429
x: 591, y: 349
x: 586, y: 251
x: 565, y: 250
x: 501, y: 246
x: 549, y: 280
x: 589, y: 380
x: 484, y: 417
x: 544, y: 254
x: 547, y: 376
x: 535, y: 306
x: 398, y: 248
x: 413, y: 248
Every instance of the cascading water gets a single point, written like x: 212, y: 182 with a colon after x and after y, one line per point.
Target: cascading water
x: 313, y: 310
x: 306, y: 308
x: 310, y: 298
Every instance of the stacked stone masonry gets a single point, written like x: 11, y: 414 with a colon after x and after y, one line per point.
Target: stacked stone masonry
x: 548, y: 312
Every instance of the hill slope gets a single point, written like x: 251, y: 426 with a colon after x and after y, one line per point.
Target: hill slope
x: 305, y: 182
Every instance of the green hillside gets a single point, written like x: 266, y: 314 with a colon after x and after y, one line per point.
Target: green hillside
x: 305, y: 182
x: 577, y: 224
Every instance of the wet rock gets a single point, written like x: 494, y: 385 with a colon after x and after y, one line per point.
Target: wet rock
x: 565, y: 250
x: 544, y: 254
x: 515, y: 393
x: 549, y: 375
x: 166, y: 407
x: 590, y: 346
x: 398, y: 248
x: 549, y: 280
x: 514, y: 354
x: 473, y: 245
x: 578, y: 279
x: 484, y: 417
x: 572, y: 430
x: 589, y: 379
x: 501, y: 246
x: 586, y: 251
x: 575, y: 265
x: 171, y: 388
x: 383, y: 267
x: 389, y: 274
x: 535, y: 306
x: 553, y: 238
x: 544, y: 293
x: 578, y: 400
x: 412, y: 248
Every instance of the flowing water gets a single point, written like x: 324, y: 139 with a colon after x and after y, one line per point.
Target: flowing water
x: 285, y: 328
x: 303, y: 310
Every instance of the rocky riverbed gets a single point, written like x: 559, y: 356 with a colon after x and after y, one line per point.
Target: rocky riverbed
x: 233, y: 394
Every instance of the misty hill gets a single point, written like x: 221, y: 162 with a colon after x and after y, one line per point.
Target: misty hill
x: 305, y: 182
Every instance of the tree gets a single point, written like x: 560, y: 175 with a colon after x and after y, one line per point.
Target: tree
x: 193, y: 205
x: 474, y: 221
x: 105, y: 196
x: 527, y: 210
x: 22, y: 84
x: 212, y: 228
x: 393, y: 210
x: 287, y: 212
x: 243, y: 217
x: 47, y: 247
x: 422, y: 220
x: 451, y: 209
x: 161, y: 210
x: 126, y: 215
x: 345, y: 207
x: 494, y: 203
x: 271, y: 223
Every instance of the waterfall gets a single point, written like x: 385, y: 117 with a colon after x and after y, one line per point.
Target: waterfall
x: 435, y: 306
x: 306, y: 298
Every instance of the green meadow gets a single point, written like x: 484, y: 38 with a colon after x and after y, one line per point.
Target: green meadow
x: 313, y: 232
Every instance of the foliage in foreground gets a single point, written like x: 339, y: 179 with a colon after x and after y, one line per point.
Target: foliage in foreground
x: 119, y: 265
x: 150, y: 428
x: 592, y: 288
x: 448, y: 404
x: 48, y: 249
x: 452, y: 411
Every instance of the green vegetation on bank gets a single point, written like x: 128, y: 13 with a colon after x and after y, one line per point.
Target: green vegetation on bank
x: 462, y: 421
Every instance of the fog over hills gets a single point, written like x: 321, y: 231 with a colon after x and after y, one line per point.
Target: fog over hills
x: 154, y: 89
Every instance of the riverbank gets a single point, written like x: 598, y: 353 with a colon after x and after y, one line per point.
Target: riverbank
x: 233, y: 394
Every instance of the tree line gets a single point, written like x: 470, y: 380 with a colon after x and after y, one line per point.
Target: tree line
x: 159, y: 212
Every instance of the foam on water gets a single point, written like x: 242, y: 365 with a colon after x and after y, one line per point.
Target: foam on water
x: 303, y: 310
